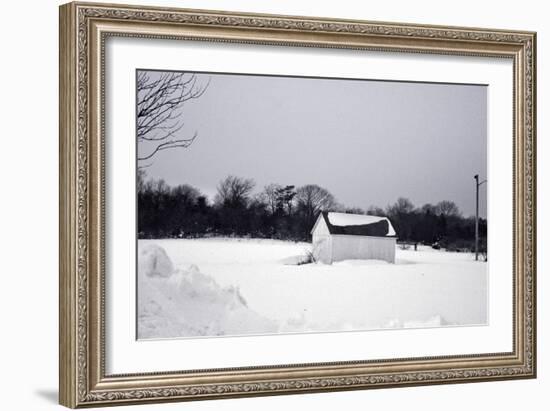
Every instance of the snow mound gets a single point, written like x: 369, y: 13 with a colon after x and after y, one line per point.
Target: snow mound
x: 296, y: 260
x: 185, y: 302
x: 344, y: 219
x: 154, y: 262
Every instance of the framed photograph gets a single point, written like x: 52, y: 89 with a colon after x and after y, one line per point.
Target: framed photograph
x: 259, y: 204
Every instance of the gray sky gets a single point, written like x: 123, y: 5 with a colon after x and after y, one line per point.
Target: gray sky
x: 367, y: 142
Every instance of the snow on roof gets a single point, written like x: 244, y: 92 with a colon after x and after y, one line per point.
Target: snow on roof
x: 353, y: 219
x: 358, y: 224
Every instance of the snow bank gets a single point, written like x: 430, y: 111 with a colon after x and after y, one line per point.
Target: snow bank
x: 296, y: 260
x: 344, y: 219
x: 154, y: 262
x: 186, y: 303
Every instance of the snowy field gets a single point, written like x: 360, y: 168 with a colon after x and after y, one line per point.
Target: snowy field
x: 208, y: 287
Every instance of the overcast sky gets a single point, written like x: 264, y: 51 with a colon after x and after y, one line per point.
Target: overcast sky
x: 367, y: 142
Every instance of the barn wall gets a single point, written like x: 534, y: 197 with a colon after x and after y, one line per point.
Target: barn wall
x: 321, y: 242
x: 322, y: 248
x: 348, y: 247
x: 320, y: 227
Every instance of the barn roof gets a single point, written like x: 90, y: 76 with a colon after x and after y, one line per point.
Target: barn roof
x: 356, y: 224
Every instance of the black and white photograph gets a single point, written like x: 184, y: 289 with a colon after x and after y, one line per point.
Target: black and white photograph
x: 283, y: 204
x: 271, y: 201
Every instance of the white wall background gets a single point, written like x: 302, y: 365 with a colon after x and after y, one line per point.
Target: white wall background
x: 28, y: 205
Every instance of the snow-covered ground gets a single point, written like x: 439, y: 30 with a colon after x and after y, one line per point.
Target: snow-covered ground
x: 206, y: 287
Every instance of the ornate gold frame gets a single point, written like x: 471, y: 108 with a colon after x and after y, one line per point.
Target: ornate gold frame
x: 83, y: 30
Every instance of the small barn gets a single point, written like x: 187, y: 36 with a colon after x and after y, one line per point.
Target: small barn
x: 340, y: 236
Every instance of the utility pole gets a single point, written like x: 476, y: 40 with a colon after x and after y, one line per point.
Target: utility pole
x: 476, y: 177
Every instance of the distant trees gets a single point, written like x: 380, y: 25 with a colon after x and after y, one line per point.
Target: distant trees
x: 270, y: 196
x: 160, y: 98
x: 402, y: 206
x: 285, y: 212
x: 400, y: 216
x: 312, y: 199
x: 278, y: 211
x: 285, y: 199
x: 441, y: 224
x: 355, y: 210
x: 234, y: 191
x: 447, y: 209
x: 372, y: 210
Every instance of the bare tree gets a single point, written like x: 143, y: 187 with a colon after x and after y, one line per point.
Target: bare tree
x: 160, y: 99
x: 428, y: 209
x: 313, y: 199
x: 234, y: 191
x: 376, y: 211
x: 270, y: 197
x: 401, y: 215
x: 160, y: 187
x: 402, y: 206
x: 447, y: 209
x: 186, y: 195
x: 140, y: 180
x: 353, y: 210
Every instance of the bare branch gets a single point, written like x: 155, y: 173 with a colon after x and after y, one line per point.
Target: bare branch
x: 159, y: 111
x: 184, y: 143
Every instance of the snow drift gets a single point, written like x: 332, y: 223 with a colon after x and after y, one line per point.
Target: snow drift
x: 185, y: 302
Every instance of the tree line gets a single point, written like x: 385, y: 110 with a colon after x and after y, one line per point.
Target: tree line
x: 284, y: 212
